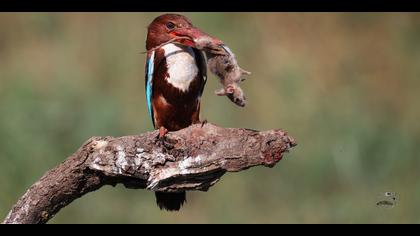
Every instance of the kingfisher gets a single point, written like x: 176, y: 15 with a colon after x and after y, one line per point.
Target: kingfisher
x: 175, y: 76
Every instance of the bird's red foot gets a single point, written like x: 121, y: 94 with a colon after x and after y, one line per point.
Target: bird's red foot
x: 162, y: 132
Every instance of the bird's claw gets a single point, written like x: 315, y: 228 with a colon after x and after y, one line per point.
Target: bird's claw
x: 162, y: 132
x: 203, y: 123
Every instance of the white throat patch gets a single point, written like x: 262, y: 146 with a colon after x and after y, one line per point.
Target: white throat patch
x: 182, y: 68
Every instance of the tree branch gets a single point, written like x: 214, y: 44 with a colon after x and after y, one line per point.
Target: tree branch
x: 194, y: 158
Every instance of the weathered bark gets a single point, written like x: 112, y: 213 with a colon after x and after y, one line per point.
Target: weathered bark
x: 194, y: 158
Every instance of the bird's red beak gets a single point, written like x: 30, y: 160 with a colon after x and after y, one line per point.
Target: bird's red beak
x: 194, y: 37
x: 186, y: 37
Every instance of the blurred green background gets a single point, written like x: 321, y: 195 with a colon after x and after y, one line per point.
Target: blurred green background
x: 344, y: 85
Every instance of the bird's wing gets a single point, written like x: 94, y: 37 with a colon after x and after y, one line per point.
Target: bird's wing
x: 202, y: 65
x: 150, y: 63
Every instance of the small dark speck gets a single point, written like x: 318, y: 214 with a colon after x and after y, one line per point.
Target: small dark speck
x: 385, y: 203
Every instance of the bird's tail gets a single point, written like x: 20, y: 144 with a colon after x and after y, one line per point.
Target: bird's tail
x: 170, y: 201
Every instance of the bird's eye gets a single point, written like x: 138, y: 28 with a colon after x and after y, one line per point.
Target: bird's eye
x: 170, y: 25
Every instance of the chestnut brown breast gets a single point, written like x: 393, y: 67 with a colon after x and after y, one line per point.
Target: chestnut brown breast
x: 178, y: 83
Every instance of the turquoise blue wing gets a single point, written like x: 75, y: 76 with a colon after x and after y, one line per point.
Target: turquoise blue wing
x: 150, y: 63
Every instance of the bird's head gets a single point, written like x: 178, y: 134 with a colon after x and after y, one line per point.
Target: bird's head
x: 170, y: 26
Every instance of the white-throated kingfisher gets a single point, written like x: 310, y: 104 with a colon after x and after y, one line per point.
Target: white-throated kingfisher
x: 175, y: 79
